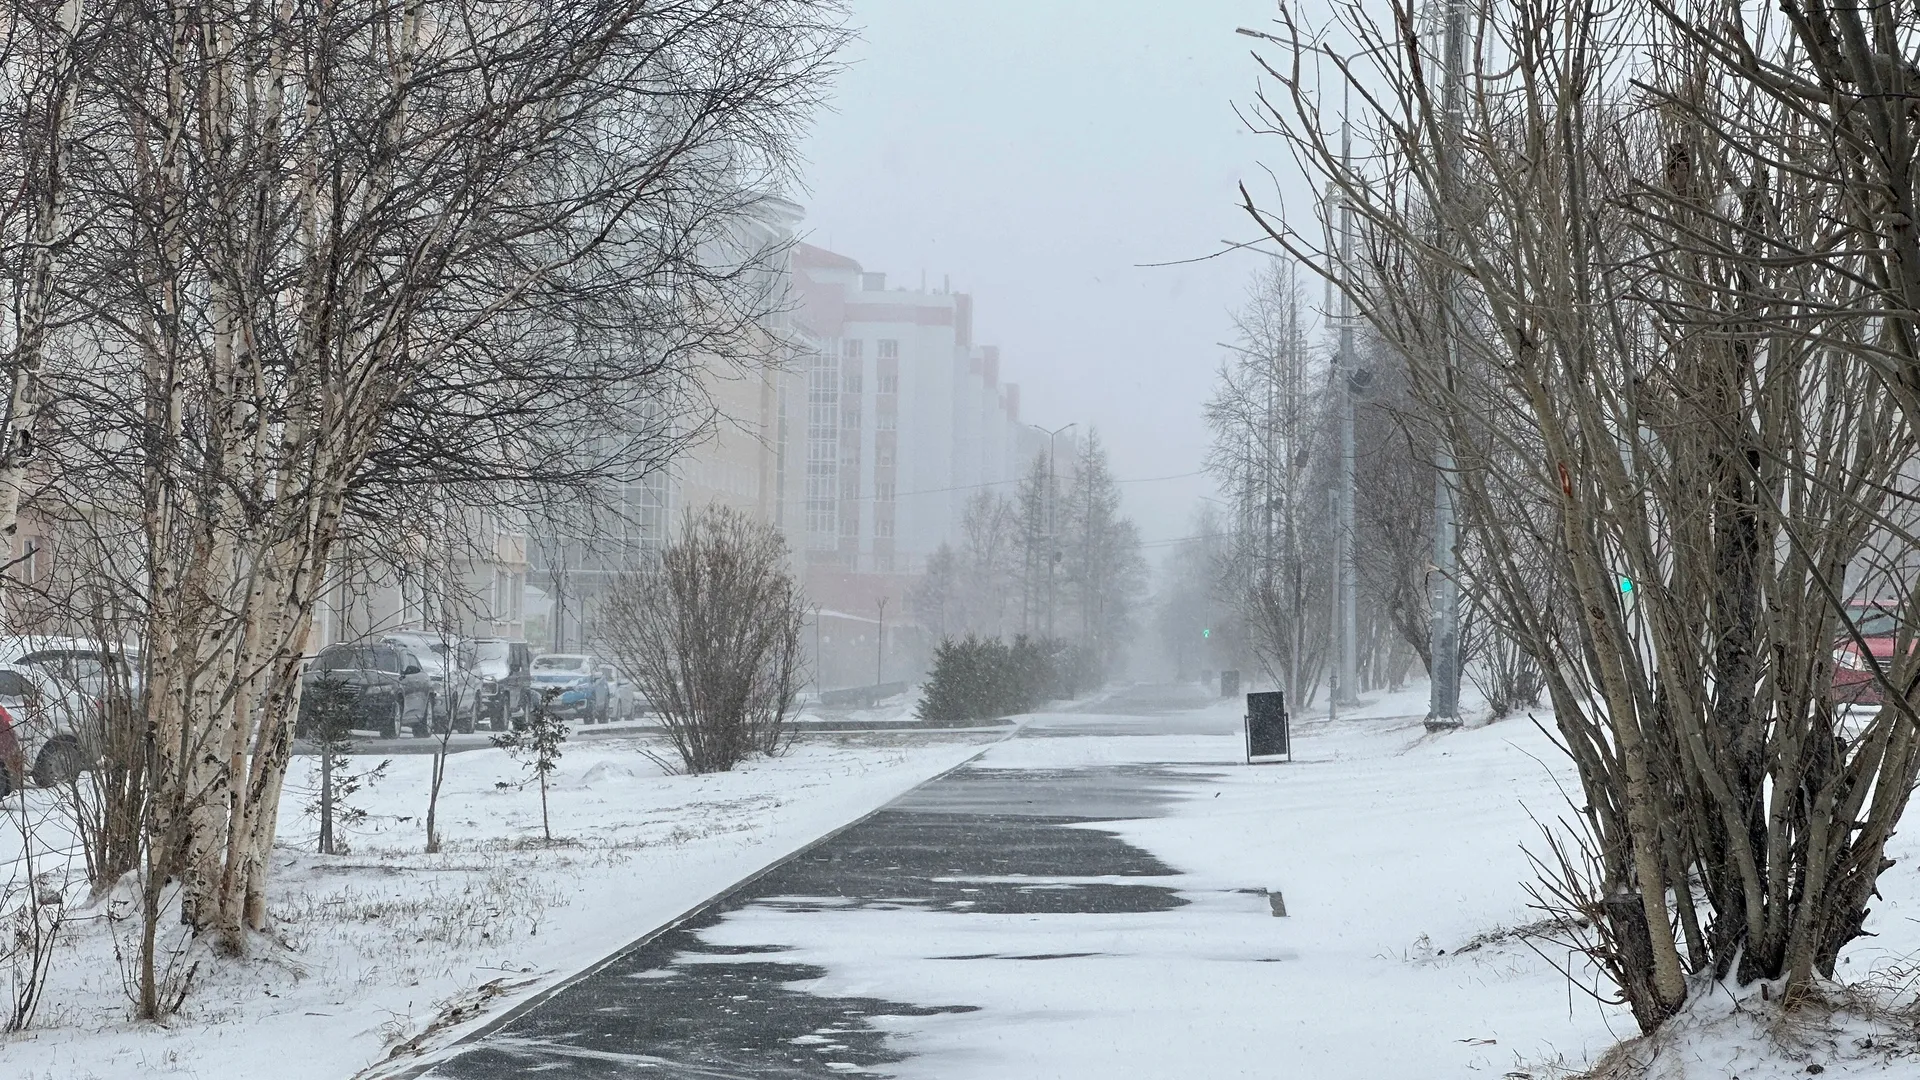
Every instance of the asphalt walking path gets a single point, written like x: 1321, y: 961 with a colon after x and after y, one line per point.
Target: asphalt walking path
x: 690, y: 1003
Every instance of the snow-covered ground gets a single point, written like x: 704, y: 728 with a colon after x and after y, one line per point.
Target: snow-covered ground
x: 1398, y: 853
x: 1399, y: 857
x: 372, y: 946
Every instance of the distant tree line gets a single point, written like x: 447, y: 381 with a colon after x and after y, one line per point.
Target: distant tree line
x: 1055, y: 559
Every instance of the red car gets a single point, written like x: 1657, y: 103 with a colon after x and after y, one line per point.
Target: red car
x: 1854, y: 681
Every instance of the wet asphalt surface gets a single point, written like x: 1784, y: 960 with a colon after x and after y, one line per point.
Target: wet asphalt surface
x: 679, y: 1007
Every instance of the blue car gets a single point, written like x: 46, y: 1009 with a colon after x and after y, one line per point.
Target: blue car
x: 575, y: 685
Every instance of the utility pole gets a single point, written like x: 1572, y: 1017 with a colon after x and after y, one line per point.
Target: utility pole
x: 1333, y: 670
x: 1053, y: 543
x: 1346, y: 386
x: 880, y: 647
x: 819, y: 658
x: 559, y: 575
x: 1443, y: 707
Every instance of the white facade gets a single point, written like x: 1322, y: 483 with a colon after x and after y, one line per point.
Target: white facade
x: 906, y: 417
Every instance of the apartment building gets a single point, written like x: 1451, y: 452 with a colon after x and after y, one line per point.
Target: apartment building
x: 906, y: 416
x: 734, y: 457
x: 862, y: 442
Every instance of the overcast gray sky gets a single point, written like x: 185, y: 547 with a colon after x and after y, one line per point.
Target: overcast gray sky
x: 1039, y: 151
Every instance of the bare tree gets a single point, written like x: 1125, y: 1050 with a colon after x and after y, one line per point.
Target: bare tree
x: 711, y: 634
x: 1271, y: 447
x: 1679, y: 427
x: 346, y: 252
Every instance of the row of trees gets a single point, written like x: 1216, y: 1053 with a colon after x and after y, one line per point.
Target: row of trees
x: 1260, y: 577
x: 1652, y: 272
x: 289, y: 282
x: 1056, y: 559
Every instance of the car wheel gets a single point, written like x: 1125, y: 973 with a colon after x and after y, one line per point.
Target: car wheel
x: 60, y: 762
x: 471, y: 723
x: 429, y: 720
x: 390, y: 728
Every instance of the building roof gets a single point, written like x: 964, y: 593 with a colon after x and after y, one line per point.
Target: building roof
x: 820, y: 258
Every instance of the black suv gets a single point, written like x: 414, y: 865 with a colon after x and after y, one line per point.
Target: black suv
x: 505, y: 667
x: 384, y: 684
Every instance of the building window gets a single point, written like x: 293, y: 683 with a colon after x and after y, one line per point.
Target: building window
x: 883, y: 458
x: 886, y: 422
x: 889, y: 349
x: 883, y: 527
x: 886, y: 384
x: 883, y: 490
x: 851, y: 349
x: 850, y: 420
x: 850, y: 384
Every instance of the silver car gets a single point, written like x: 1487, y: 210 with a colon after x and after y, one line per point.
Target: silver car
x: 449, y: 665
x: 49, y: 733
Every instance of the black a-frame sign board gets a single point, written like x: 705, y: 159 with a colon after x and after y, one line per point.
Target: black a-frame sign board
x: 1269, y: 737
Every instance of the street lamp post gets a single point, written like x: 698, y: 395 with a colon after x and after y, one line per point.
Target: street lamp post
x: 880, y: 647
x: 1053, y: 543
x: 1443, y: 706
x: 1349, y: 381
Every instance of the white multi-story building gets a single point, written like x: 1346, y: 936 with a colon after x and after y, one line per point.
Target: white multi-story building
x: 906, y: 417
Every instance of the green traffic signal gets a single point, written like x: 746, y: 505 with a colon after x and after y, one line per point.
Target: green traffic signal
x: 1207, y: 633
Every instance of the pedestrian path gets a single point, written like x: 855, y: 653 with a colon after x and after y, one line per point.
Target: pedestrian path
x: 764, y: 982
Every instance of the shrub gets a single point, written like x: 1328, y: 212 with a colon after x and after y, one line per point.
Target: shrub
x: 711, y: 633
x: 977, y: 678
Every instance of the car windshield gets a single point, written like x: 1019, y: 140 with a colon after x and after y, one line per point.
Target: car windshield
x: 70, y: 667
x: 573, y: 665
x: 361, y: 658
x: 1874, y: 622
x: 490, y: 650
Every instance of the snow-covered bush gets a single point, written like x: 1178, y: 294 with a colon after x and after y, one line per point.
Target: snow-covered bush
x: 977, y: 678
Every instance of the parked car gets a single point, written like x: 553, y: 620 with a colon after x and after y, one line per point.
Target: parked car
x: 505, y: 668
x: 579, y: 682
x: 1854, y: 679
x: 47, y: 735
x: 79, y: 665
x: 387, y: 685
x: 77, y: 688
x: 623, y: 698
x: 449, y: 667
